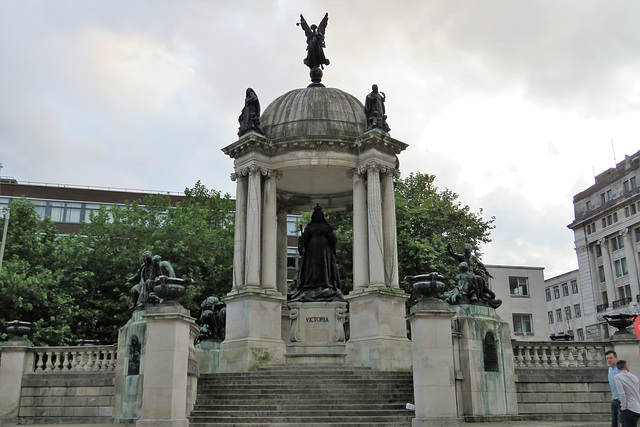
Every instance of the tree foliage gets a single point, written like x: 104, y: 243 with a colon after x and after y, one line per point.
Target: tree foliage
x: 74, y: 286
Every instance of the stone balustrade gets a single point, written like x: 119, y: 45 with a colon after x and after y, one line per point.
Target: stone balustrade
x: 73, y: 359
x: 566, y: 354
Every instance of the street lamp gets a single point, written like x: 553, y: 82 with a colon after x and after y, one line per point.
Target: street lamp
x: 4, y: 234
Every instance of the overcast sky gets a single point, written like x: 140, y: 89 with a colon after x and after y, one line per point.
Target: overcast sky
x: 511, y: 104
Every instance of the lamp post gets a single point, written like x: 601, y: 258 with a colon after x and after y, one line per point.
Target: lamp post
x: 4, y: 235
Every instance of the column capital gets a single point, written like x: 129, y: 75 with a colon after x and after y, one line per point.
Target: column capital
x: 374, y: 166
x: 256, y: 169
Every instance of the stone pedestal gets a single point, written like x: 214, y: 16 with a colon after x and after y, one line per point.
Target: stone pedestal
x: 253, y: 337
x: 433, y: 364
x: 208, y: 357
x: 128, y: 381
x: 166, y: 368
x: 317, y: 332
x: 15, y: 362
x: 626, y: 347
x: 378, y: 331
x: 486, y: 368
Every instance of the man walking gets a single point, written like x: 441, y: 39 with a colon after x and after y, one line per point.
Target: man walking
x: 628, y: 386
x: 612, y: 358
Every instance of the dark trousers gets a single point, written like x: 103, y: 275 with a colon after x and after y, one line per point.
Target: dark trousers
x: 616, y: 418
x: 630, y: 418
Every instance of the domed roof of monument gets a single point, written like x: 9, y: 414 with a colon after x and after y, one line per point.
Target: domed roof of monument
x: 314, y: 111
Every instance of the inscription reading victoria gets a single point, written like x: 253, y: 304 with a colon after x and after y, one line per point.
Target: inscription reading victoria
x: 313, y: 319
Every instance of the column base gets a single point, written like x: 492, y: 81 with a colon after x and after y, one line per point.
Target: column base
x: 378, y: 329
x: 163, y: 423
x: 253, y: 331
x: 436, y: 422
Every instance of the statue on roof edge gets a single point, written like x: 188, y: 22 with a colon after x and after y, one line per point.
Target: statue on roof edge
x: 250, y: 117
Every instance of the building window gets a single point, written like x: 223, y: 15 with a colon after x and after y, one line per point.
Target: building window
x: 580, y: 333
x: 548, y: 294
x: 604, y: 222
x: 588, y: 228
x: 633, y: 209
x: 522, y: 324
x: 617, y: 243
x: 637, y: 234
x: 293, y: 258
x: 615, y: 217
x: 605, y: 298
x: 519, y: 286
x: 629, y: 184
x: 576, y: 310
x: 550, y: 315
x: 621, y: 267
x: 574, y: 286
x: 624, y: 291
x: 558, y: 315
x: 292, y: 229
x: 567, y: 313
x: 601, y: 274
x: 588, y: 204
x: 556, y: 292
x: 598, y: 251
x: 565, y: 290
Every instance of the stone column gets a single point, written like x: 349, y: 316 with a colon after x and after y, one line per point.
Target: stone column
x: 593, y: 272
x: 254, y: 217
x: 16, y: 360
x: 269, y: 247
x: 374, y: 216
x: 434, y: 386
x: 240, y: 231
x: 608, y: 272
x: 165, y: 383
x: 281, y: 248
x: 389, y: 228
x: 629, y: 252
x: 360, y: 233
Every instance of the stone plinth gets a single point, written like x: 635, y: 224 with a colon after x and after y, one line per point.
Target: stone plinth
x: 317, y: 332
x: 378, y: 329
x: 487, y: 385
x: 166, y: 367
x: 433, y: 364
x: 208, y: 356
x: 16, y: 360
x: 626, y: 347
x: 128, y: 383
x: 253, y: 337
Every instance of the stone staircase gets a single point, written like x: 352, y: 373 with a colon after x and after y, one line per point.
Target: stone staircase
x: 304, y: 395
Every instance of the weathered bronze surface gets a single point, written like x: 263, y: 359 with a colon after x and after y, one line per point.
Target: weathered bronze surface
x: 315, y: 42
x: 318, y: 271
x: 155, y: 282
x: 250, y: 116
x: 471, y: 283
x: 375, y: 111
x: 212, y: 320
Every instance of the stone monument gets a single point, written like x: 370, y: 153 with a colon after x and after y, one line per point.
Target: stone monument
x: 315, y: 149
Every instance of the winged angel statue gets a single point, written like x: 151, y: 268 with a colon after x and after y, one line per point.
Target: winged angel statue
x: 315, y: 42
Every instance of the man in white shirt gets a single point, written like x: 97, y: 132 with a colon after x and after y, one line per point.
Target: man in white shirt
x: 628, y: 386
x: 616, y: 417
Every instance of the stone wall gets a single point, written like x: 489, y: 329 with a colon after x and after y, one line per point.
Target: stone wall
x: 570, y: 394
x: 73, y: 398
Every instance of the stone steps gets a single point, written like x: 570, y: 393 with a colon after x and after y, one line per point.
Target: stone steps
x: 309, y: 395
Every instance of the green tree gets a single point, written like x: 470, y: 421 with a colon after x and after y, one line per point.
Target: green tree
x: 427, y: 220
x: 30, y: 285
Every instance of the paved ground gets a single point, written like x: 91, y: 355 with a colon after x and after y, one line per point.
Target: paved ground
x: 502, y: 424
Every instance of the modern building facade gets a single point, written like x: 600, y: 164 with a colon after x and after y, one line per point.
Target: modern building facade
x: 566, y: 315
x: 521, y: 290
x: 607, y: 241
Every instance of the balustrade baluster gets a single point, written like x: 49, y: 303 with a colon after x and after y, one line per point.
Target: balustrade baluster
x: 572, y: 362
x: 64, y: 364
x: 49, y: 365
x: 39, y: 361
x: 112, y: 360
x: 544, y: 363
x: 536, y: 357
